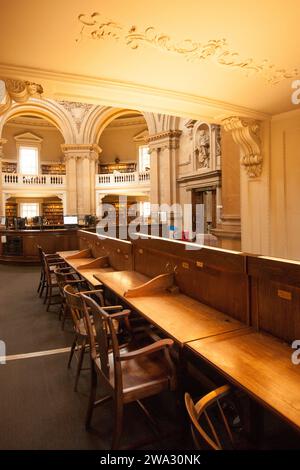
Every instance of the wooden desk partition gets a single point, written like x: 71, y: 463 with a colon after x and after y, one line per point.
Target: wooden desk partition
x: 275, y: 296
x: 118, y: 252
x: 214, y: 277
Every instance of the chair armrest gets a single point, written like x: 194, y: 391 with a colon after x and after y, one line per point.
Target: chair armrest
x: 150, y: 349
x: 76, y: 281
x: 89, y: 292
x: 55, y: 263
x: 110, y: 308
x: 122, y: 313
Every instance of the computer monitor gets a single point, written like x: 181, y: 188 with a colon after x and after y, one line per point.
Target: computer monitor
x: 70, y: 220
x: 2, y: 220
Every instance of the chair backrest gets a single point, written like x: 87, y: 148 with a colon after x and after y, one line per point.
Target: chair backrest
x: 75, y: 303
x: 62, y: 278
x: 209, y: 424
x: 40, y: 251
x: 104, y: 334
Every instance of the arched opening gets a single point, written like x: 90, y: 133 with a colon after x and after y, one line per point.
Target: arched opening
x: 33, y: 170
x: 124, y: 165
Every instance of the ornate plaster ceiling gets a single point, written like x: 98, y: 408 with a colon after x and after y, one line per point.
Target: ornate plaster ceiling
x: 218, y: 58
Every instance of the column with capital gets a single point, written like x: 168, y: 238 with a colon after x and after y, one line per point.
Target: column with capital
x: 81, y: 161
x: 2, y: 204
x: 163, y: 177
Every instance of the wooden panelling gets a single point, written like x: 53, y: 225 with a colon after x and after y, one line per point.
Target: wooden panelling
x: 118, y: 251
x: 214, y: 277
x: 50, y: 240
x: 275, y: 296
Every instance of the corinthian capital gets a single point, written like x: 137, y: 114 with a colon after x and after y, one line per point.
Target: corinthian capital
x: 246, y: 133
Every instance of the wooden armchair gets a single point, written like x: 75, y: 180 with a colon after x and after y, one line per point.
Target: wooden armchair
x: 52, y: 296
x: 66, y: 276
x: 75, y: 304
x: 213, y: 419
x: 52, y: 257
x: 128, y: 377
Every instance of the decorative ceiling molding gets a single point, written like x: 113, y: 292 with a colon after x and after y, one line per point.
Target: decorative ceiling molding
x: 131, y: 95
x: 96, y: 27
x: 77, y: 110
x: 127, y: 122
x: 25, y: 121
x: 246, y: 133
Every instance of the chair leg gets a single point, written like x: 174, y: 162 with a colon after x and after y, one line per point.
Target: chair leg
x: 40, y: 283
x: 64, y: 316
x: 118, y: 423
x: 47, y: 292
x: 79, y: 365
x: 92, y: 397
x: 49, y: 298
x: 43, y: 286
x: 72, y: 351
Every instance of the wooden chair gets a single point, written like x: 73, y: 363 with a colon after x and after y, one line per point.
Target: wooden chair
x: 213, y: 419
x: 66, y: 276
x: 75, y: 304
x: 53, y: 258
x: 51, y: 285
x: 128, y: 377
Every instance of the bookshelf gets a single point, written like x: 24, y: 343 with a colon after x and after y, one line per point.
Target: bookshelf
x: 122, y: 167
x: 53, y: 213
x: 9, y: 167
x: 11, y: 209
x: 53, y: 169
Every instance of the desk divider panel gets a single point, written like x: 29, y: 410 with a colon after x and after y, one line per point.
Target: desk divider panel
x: 214, y: 277
x: 275, y: 296
x: 119, y: 252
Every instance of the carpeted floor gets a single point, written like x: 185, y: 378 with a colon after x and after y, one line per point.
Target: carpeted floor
x: 38, y: 407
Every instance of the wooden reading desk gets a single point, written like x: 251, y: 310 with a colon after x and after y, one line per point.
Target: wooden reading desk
x: 258, y: 363
x: 177, y: 315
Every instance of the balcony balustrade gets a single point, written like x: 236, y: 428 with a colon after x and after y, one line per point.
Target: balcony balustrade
x: 17, y: 180
x: 123, y: 179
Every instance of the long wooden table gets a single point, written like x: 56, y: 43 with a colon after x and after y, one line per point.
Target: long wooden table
x: 180, y: 317
x: 258, y: 363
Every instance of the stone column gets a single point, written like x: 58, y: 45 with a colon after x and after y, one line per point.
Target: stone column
x: 2, y: 203
x: 228, y: 229
x: 163, y: 177
x: 81, y: 160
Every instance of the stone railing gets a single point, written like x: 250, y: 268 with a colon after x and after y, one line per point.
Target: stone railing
x: 18, y: 180
x: 123, y: 179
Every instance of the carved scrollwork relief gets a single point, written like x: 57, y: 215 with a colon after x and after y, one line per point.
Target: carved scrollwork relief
x: 96, y: 27
x: 246, y: 133
x: 18, y: 91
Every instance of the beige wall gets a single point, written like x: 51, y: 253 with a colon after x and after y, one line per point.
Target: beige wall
x: 117, y: 142
x: 285, y: 185
x: 50, y: 147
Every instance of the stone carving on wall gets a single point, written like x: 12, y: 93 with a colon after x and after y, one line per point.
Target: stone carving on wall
x: 202, y: 147
x: 246, y: 133
x: 96, y: 27
x: 78, y: 111
x: 18, y: 91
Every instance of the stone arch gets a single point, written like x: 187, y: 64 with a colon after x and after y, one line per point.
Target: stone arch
x: 100, y: 117
x: 46, y: 109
